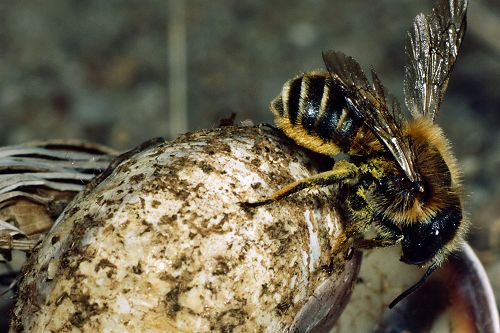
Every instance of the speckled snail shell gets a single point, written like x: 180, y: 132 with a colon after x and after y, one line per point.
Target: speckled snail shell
x: 163, y: 244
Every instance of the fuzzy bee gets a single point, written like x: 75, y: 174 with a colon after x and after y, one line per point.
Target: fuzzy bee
x: 400, y: 176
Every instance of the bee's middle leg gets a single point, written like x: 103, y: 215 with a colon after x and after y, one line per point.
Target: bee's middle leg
x: 341, y: 170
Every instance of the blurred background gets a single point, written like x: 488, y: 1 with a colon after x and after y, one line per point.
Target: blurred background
x: 121, y: 72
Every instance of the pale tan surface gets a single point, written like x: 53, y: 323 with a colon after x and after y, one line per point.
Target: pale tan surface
x: 163, y: 244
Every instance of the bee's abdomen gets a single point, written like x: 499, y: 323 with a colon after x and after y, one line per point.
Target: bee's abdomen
x: 313, y: 112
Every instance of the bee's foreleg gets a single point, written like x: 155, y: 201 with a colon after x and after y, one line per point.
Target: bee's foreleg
x: 341, y: 170
x: 387, y: 235
x: 376, y: 242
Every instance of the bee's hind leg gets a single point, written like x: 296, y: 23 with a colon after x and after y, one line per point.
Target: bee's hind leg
x: 341, y: 170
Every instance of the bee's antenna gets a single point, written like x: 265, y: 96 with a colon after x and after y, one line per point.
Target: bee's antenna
x: 417, y: 285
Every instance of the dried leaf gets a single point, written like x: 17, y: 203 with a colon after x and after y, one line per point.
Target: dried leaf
x: 37, y: 180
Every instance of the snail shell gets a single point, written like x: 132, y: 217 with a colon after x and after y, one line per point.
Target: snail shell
x: 163, y: 244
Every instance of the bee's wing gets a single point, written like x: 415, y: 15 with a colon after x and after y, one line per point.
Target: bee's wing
x: 370, y: 104
x: 432, y: 49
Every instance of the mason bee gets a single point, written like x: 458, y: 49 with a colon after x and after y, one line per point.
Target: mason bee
x: 400, y: 176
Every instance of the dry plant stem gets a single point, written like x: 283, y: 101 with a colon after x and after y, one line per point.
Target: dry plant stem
x: 163, y: 244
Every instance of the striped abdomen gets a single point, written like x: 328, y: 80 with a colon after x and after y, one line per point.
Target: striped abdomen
x: 312, y: 111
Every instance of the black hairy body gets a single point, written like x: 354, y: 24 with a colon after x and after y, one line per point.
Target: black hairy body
x: 400, y: 176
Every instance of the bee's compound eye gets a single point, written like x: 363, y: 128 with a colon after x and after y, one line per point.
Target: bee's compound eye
x: 421, y: 241
x: 420, y: 244
x: 420, y: 187
x: 422, y: 190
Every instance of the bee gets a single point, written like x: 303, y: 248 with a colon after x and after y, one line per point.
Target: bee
x: 400, y: 176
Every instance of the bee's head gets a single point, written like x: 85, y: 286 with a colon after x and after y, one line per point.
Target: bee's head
x: 435, y: 223
x: 429, y: 241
